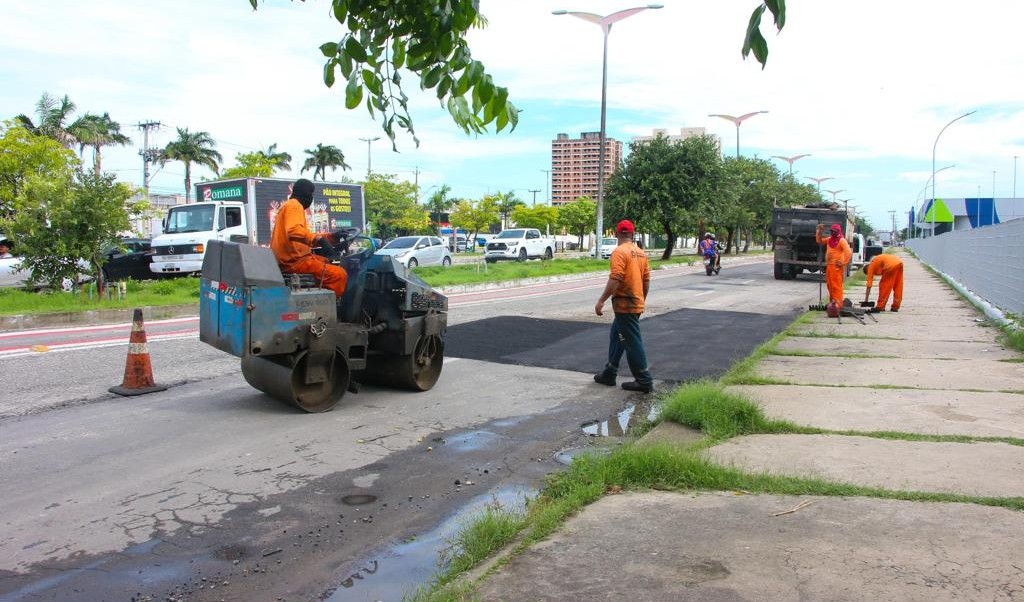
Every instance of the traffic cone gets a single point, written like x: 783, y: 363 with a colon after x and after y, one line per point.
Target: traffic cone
x: 138, y: 371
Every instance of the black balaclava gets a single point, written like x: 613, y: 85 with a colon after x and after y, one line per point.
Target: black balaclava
x: 302, y: 191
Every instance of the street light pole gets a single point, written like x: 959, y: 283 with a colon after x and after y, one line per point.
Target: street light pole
x: 368, y: 141
x: 737, y: 121
x: 547, y: 184
x: 818, y: 181
x: 934, y: 146
x: 605, y: 22
x: 790, y: 160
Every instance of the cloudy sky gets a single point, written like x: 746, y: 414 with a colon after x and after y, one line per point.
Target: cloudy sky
x: 864, y: 87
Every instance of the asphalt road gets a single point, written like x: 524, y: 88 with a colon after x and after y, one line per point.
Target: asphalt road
x: 212, y: 491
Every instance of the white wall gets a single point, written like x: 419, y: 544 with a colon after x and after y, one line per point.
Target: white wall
x: 988, y: 261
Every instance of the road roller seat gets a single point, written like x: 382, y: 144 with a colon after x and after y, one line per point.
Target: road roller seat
x: 351, y: 302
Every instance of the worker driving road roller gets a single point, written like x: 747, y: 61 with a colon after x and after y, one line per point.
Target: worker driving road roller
x: 292, y: 242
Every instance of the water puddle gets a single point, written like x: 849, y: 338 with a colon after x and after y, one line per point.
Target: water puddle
x: 618, y: 425
x: 566, y: 456
x: 471, y: 441
x: 406, y: 566
x: 359, y: 499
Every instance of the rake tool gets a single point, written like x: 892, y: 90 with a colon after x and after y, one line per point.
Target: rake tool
x: 819, y: 306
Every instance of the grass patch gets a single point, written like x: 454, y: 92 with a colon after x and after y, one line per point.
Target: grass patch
x: 828, y: 335
x: 170, y: 291
x: 801, y: 353
x: 1013, y: 338
x: 504, y: 271
x: 706, y: 406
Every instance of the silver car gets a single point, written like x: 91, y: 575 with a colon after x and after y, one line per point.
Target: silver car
x: 412, y: 251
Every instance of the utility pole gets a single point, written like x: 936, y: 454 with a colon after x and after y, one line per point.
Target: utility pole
x: 892, y: 233
x: 149, y: 155
x: 416, y: 184
x: 534, y: 196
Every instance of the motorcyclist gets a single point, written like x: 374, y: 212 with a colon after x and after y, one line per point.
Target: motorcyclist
x: 710, y: 248
x: 292, y: 242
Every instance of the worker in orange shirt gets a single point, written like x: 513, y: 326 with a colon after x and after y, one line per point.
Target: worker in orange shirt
x: 292, y: 242
x: 890, y: 269
x: 837, y: 257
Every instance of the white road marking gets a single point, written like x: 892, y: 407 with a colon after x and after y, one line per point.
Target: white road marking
x: 704, y: 293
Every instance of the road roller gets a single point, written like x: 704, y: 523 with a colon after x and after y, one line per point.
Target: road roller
x: 300, y: 346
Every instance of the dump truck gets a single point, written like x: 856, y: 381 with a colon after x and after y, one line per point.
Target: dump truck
x: 243, y: 210
x: 796, y: 249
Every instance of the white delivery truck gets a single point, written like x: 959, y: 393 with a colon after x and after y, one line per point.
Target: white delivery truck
x: 243, y: 210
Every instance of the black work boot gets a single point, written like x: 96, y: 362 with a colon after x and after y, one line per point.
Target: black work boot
x: 604, y: 379
x: 635, y: 386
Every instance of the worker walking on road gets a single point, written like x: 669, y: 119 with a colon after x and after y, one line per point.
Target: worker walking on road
x: 890, y: 269
x: 628, y: 284
x: 837, y: 257
x: 292, y: 241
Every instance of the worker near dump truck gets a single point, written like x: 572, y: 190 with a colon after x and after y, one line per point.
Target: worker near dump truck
x: 292, y: 242
x: 837, y: 257
x: 889, y: 268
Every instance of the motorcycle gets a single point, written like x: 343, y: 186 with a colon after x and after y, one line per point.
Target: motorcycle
x: 712, y: 264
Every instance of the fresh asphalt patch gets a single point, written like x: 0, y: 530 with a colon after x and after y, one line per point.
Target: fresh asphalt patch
x: 682, y: 345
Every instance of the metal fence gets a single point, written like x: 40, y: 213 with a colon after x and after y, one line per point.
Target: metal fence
x: 988, y: 261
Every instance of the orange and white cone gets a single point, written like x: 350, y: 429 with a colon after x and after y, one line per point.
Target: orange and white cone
x: 138, y: 370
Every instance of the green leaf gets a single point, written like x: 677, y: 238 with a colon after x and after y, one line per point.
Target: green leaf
x: 778, y: 10
x: 502, y: 120
x: 373, y: 83
x: 329, y: 72
x: 353, y: 93
x: 398, y: 53
x: 486, y: 89
x: 346, y: 64
x: 753, y: 27
x: 355, y: 50
x: 760, y: 47
x: 430, y: 78
x: 444, y: 86
x: 340, y: 10
x: 253, y: 3
x: 330, y: 49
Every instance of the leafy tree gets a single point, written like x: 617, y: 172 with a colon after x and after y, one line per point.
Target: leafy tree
x: 428, y: 39
x: 543, y: 217
x: 507, y: 202
x: 413, y: 220
x: 321, y: 157
x: 189, y: 148
x: 439, y: 202
x: 748, y: 192
x: 281, y: 161
x: 389, y: 203
x: 474, y: 216
x: 52, y: 115
x: 251, y: 165
x: 663, y: 185
x: 60, y: 221
x: 23, y: 156
x: 97, y: 131
x: 578, y: 217
x: 863, y: 226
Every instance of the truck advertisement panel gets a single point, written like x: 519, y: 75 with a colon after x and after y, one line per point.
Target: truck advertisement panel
x: 335, y: 205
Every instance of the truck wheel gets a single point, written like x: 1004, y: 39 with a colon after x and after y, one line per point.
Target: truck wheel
x: 547, y: 254
x: 780, y: 271
x: 522, y: 255
x: 447, y: 261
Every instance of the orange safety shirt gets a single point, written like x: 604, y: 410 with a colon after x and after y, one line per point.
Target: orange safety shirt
x: 291, y: 240
x: 629, y: 266
x: 841, y: 252
x: 881, y: 264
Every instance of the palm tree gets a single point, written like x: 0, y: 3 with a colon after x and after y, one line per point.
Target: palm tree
x: 52, y: 114
x: 97, y: 131
x: 439, y: 202
x: 507, y: 202
x: 281, y: 161
x: 322, y: 157
x: 189, y: 148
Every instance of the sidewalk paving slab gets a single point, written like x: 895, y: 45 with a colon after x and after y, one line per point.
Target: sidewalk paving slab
x: 925, y: 412
x: 891, y: 329
x: 983, y: 375
x: 723, y: 547
x: 900, y: 349
x: 981, y: 469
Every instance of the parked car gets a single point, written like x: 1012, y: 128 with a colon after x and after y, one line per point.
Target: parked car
x: 12, y: 275
x: 607, y: 246
x: 412, y: 251
x: 130, y: 260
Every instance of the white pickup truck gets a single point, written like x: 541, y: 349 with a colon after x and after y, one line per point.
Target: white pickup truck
x: 519, y: 244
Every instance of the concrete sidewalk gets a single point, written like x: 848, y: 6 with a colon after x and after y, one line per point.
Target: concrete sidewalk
x: 937, y: 372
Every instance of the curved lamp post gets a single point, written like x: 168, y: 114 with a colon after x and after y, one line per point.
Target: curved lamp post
x: 934, y: 146
x: 605, y: 22
x: 834, y: 193
x: 818, y: 181
x: 368, y: 142
x: 737, y: 121
x: 790, y: 160
x: 928, y: 182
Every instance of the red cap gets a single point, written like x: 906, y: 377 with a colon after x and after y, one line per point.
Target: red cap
x: 625, y: 227
x: 836, y: 228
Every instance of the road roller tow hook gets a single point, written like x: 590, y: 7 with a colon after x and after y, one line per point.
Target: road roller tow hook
x: 318, y: 328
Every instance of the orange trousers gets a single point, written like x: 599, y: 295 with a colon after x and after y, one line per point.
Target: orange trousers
x: 891, y: 282
x: 327, y: 274
x: 834, y: 282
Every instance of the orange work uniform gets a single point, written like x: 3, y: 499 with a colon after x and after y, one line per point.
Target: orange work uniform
x: 836, y: 260
x: 890, y: 269
x: 630, y: 268
x: 292, y: 243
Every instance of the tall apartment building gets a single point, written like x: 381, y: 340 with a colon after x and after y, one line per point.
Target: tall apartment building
x: 575, y: 162
x: 684, y: 133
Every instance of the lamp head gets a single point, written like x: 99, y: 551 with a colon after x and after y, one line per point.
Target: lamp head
x: 559, y: 12
x: 655, y: 6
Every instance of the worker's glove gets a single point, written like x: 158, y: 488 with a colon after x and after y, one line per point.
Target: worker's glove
x: 323, y: 246
x: 339, y: 235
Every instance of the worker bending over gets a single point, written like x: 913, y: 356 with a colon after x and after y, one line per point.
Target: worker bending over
x: 837, y: 256
x: 890, y: 269
x: 292, y: 242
